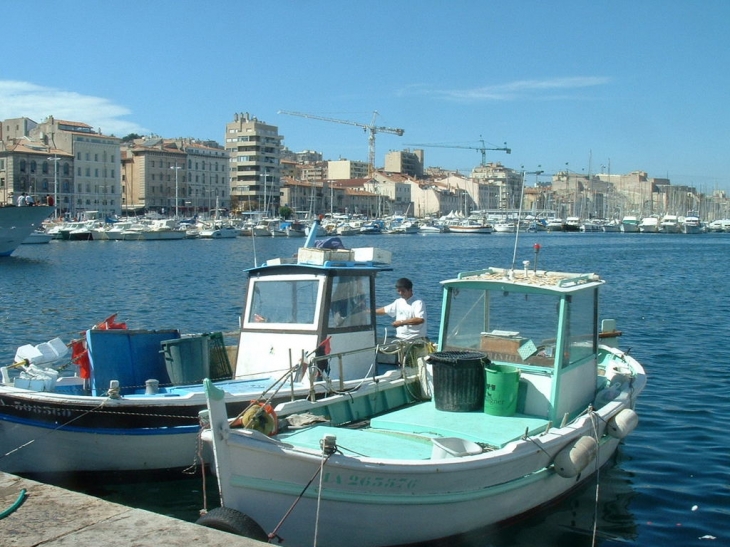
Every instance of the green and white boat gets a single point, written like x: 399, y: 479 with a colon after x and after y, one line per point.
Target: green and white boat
x: 530, y: 396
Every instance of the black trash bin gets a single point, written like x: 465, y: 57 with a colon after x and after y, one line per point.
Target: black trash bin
x: 458, y: 380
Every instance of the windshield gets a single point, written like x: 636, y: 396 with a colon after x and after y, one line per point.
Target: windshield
x: 289, y: 301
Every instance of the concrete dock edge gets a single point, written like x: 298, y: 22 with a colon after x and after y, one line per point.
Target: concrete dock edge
x: 52, y: 516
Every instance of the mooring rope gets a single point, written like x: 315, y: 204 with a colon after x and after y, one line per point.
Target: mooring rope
x: 594, y: 423
x: 51, y: 431
x: 274, y: 533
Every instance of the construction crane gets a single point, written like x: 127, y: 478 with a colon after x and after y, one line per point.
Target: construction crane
x: 372, y: 129
x: 483, y: 148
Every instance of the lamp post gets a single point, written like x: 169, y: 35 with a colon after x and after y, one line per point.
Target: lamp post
x: 176, y: 167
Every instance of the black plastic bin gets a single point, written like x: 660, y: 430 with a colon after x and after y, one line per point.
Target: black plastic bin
x: 458, y: 380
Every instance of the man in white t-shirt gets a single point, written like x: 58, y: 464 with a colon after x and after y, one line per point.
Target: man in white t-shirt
x: 409, y: 312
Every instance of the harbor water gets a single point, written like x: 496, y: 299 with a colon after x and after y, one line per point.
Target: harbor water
x: 670, y: 481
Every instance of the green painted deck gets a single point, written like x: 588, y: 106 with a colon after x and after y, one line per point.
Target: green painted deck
x: 476, y: 426
x: 407, y: 433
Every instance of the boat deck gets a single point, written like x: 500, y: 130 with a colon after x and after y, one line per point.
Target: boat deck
x: 407, y: 433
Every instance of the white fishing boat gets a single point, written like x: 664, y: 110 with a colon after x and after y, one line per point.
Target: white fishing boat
x: 218, y: 230
x: 630, y: 224
x: 156, y: 230
x: 612, y: 226
x: 505, y: 227
x: 530, y: 399
x: 17, y: 223
x: 471, y: 227
x: 649, y: 225
x: 308, y: 329
x: 591, y: 226
x: 691, y: 224
x: 572, y: 224
x: 669, y: 224
x: 555, y: 225
x: 38, y: 237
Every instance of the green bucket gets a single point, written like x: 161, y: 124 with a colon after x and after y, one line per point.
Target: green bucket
x: 501, y: 389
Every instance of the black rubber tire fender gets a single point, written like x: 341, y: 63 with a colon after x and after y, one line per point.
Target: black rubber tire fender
x: 229, y: 520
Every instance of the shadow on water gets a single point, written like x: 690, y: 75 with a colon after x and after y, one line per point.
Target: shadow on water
x: 178, y: 494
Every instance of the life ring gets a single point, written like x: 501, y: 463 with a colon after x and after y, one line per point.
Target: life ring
x: 260, y: 417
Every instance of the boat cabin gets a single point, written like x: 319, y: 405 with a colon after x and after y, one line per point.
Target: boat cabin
x: 321, y: 303
x: 545, y: 324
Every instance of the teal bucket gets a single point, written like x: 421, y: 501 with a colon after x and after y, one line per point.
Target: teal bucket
x: 502, y: 384
x: 187, y: 359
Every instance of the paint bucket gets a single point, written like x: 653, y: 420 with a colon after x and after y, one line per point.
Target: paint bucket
x: 502, y: 384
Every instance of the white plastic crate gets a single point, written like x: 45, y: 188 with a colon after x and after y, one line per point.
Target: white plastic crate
x: 371, y: 254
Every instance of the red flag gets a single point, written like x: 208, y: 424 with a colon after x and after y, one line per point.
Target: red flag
x: 110, y: 323
x: 77, y: 348
x: 325, y: 345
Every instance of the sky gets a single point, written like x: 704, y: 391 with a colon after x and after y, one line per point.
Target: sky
x: 590, y: 86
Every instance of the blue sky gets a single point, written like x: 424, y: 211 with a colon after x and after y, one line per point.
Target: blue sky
x: 634, y: 84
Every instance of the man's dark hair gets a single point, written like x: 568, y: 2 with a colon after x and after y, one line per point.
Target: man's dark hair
x: 404, y: 283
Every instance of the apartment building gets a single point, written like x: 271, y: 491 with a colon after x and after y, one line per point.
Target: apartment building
x: 405, y: 162
x: 208, y: 185
x: 254, y: 150
x: 154, y: 177
x: 36, y: 169
x: 346, y: 169
x: 70, y: 160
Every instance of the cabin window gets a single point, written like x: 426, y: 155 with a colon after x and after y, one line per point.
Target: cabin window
x: 581, y: 333
x: 350, y: 302
x: 284, y: 301
x: 507, y: 326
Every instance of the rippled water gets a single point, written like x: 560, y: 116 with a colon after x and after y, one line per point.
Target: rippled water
x: 670, y: 482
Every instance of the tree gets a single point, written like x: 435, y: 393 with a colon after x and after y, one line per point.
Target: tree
x: 285, y: 212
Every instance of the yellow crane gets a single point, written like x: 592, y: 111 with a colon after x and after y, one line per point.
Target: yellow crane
x: 371, y: 129
x: 483, y: 148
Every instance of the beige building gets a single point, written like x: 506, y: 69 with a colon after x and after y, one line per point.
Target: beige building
x: 154, y: 175
x: 36, y: 169
x: 405, y: 162
x: 346, y: 170
x: 208, y: 185
x: 68, y: 159
x: 254, y: 149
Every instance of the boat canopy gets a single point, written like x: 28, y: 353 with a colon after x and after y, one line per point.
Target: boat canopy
x: 543, y: 323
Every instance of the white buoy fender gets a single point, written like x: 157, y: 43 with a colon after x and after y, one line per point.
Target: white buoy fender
x: 575, y: 457
x: 622, y: 423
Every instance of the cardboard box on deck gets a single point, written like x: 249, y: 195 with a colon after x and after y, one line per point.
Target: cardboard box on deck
x: 317, y: 257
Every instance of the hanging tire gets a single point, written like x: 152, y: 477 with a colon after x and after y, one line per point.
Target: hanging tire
x: 233, y: 522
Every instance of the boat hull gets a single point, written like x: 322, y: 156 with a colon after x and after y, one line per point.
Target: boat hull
x: 17, y: 223
x: 370, y: 475
x: 470, y: 229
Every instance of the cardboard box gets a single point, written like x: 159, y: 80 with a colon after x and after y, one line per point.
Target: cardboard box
x: 371, y: 254
x: 317, y: 257
x: 498, y: 344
